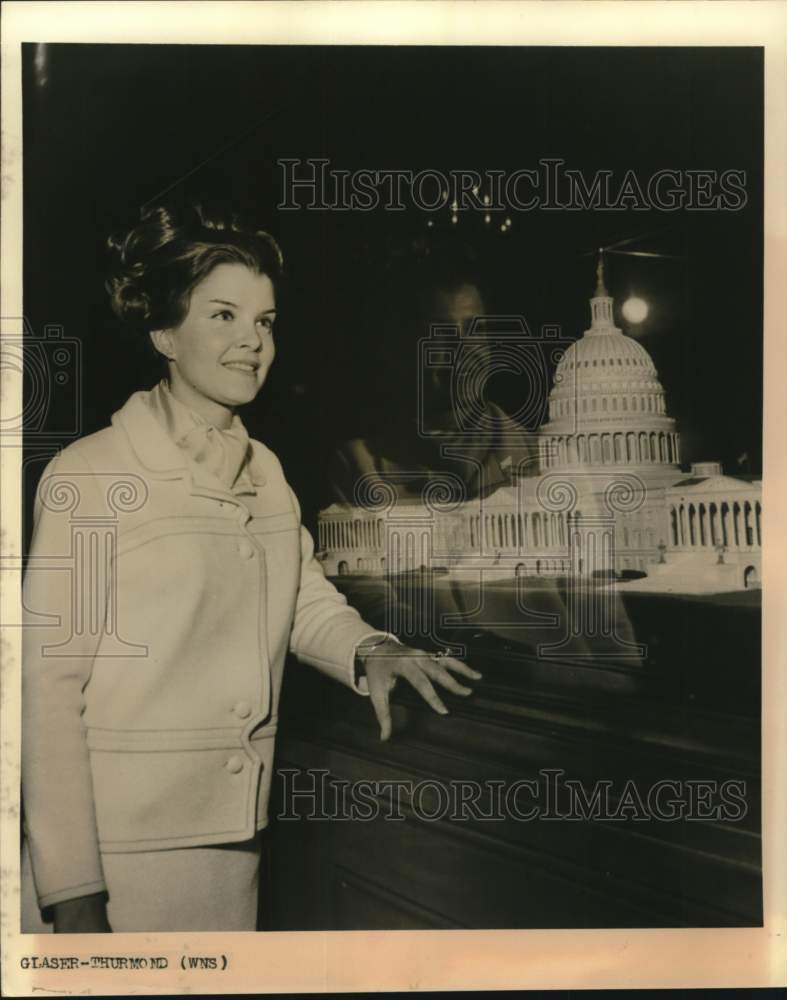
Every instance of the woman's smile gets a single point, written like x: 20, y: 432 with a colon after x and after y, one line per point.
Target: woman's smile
x: 244, y: 367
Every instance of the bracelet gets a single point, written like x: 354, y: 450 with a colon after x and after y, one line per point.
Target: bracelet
x: 366, y: 646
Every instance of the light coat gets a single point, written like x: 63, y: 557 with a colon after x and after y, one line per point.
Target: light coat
x: 159, y: 609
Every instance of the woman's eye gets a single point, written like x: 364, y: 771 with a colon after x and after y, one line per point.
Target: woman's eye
x: 223, y: 314
x: 267, y: 323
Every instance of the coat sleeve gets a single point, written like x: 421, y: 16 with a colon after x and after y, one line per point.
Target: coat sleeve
x: 60, y: 638
x: 326, y: 631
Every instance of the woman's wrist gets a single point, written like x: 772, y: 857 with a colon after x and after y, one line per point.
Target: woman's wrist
x: 374, y: 644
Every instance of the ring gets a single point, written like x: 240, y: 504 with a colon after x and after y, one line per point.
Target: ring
x: 440, y: 656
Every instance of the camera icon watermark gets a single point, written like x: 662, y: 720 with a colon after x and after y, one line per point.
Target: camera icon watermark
x: 49, y: 366
x: 456, y: 368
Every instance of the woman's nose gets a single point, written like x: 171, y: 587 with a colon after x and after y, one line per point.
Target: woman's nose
x: 250, y: 337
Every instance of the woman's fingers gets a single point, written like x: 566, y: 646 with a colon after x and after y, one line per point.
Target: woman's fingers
x: 459, y: 667
x: 379, y: 691
x: 438, y: 673
x: 416, y: 676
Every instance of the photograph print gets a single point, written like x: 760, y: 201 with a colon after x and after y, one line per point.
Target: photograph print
x: 392, y: 466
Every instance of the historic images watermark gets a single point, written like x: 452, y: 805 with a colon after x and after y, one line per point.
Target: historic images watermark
x: 86, y: 620
x: 459, y: 365
x: 314, y: 795
x: 51, y: 362
x: 313, y: 184
x: 565, y: 527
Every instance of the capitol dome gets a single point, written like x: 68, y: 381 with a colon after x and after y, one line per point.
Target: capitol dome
x: 607, y: 406
x: 599, y: 350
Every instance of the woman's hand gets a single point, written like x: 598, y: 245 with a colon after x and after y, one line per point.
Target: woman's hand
x: 390, y: 661
x: 83, y: 915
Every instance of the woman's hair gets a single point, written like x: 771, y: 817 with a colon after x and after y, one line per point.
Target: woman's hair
x: 157, y: 264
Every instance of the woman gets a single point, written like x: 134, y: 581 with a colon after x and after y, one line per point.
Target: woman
x: 169, y: 575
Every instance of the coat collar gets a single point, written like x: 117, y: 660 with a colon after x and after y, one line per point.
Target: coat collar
x: 162, y: 459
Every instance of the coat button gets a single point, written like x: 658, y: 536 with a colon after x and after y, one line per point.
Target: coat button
x: 234, y: 765
x: 245, y: 549
x: 242, y: 709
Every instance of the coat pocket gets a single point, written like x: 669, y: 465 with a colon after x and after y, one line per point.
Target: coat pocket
x: 153, y: 800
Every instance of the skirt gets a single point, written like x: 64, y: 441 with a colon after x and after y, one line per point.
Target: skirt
x: 185, y: 889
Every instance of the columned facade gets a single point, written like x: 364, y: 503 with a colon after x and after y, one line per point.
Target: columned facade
x: 608, y: 435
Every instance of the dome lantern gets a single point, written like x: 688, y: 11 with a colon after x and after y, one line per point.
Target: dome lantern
x: 601, y: 303
x: 601, y: 288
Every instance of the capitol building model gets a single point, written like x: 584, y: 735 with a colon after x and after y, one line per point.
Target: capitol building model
x: 608, y: 500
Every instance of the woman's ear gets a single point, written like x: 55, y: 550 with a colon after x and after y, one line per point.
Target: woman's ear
x: 164, y: 343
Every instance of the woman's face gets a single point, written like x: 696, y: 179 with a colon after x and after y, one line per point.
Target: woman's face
x: 220, y: 354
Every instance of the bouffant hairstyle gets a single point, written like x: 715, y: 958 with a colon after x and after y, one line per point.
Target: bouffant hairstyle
x: 156, y: 265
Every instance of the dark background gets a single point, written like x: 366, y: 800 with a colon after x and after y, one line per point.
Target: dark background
x: 108, y: 128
